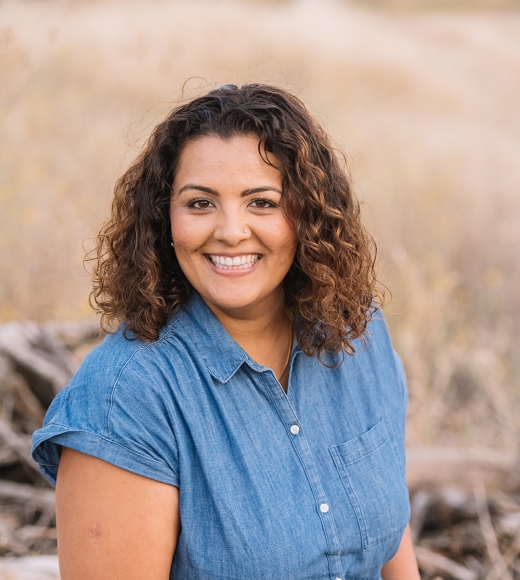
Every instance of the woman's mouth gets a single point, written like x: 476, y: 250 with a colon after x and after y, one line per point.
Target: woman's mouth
x: 233, y: 263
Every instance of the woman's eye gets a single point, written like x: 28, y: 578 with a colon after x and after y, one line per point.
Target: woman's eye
x: 262, y: 204
x: 200, y: 204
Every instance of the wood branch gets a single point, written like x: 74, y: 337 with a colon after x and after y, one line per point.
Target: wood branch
x: 38, y: 497
x: 419, y: 505
x: 429, y: 467
x: 436, y: 563
x: 30, y: 568
x: 7, y: 456
x: 12, y: 384
x: 27, y: 533
x: 474, y: 565
x: 74, y: 334
x: 35, y: 354
x: 58, y: 352
x: 488, y: 533
x: 509, y: 557
x: 22, y: 449
x: 7, y: 541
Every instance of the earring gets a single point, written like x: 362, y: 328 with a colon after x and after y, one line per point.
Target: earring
x: 171, y: 244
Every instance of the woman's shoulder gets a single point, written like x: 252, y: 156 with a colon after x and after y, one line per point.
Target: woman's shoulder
x: 376, y: 363
x: 118, y: 407
x: 375, y: 347
x: 122, y: 372
x: 122, y: 355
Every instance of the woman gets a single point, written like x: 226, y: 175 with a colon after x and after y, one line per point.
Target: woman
x: 247, y: 418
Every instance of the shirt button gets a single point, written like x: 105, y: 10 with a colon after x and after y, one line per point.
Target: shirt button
x: 324, y: 508
x: 295, y: 429
x: 338, y: 578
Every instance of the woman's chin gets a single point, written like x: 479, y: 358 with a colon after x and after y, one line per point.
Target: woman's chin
x: 238, y: 304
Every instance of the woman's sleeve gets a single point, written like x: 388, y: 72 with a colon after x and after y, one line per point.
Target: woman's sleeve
x: 402, y: 381
x: 120, y: 415
x: 403, y: 405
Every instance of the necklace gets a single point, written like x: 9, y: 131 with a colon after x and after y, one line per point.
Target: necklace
x: 288, y: 356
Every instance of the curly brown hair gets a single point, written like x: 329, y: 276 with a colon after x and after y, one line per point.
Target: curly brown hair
x: 331, y: 286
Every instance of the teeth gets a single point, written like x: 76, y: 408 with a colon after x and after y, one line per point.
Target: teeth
x: 236, y: 263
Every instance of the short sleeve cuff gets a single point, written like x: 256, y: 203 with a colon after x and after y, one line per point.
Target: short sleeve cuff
x: 46, y: 451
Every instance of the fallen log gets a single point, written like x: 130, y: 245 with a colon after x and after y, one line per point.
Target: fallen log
x: 17, y: 398
x: 38, y: 497
x: 22, y: 448
x: 488, y: 533
x: 437, y: 563
x: 431, y: 467
x: 30, y: 568
x: 72, y: 335
x: 37, y: 358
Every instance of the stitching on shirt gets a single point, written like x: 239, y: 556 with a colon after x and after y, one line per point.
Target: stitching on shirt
x: 166, y: 334
x: 352, y: 497
x: 65, y: 397
x: 362, y: 456
x: 139, y: 349
x: 147, y: 457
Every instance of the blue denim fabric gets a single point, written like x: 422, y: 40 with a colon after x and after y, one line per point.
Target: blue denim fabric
x: 308, y: 485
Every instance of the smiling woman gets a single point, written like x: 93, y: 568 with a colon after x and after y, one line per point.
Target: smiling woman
x: 246, y: 420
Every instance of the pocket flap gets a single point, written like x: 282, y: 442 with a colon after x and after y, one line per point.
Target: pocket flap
x: 362, y: 445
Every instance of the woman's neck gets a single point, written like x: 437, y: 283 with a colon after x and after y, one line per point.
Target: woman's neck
x: 265, y: 333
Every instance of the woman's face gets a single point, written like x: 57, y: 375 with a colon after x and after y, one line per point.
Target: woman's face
x: 231, y: 237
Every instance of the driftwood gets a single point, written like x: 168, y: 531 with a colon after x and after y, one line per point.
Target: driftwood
x: 36, y: 354
x: 17, y: 398
x: 436, y: 563
x: 462, y: 533
x: 465, y: 513
x: 43, y: 499
x: 36, y: 362
x: 21, y: 447
x: 438, y: 466
x: 488, y: 533
x: 419, y: 504
x: 30, y: 568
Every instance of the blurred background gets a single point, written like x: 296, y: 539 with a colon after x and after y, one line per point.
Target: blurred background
x: 421, y: 95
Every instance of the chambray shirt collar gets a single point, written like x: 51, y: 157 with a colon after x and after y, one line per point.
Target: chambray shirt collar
x: 220, y: 353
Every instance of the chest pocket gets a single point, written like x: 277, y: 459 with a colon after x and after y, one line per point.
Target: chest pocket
x: 375, y: 483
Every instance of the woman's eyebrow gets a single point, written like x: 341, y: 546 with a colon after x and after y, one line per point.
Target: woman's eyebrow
x: 199, y: 188
x: 214, y: 192
x: 260, y: 190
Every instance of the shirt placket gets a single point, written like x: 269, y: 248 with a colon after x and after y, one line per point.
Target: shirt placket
x: 296, y: 435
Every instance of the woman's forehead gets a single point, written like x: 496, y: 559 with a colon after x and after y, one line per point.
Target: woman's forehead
x: 211, y: 155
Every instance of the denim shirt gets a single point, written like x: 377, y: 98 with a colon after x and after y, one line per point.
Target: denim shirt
x: 304, y: 485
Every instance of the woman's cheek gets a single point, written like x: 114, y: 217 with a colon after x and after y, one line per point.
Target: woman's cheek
x: 193, y: 233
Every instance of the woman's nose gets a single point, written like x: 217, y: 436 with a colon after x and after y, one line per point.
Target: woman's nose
x: 231, y: 229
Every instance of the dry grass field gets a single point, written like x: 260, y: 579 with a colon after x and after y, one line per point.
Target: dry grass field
x: 423, y: 97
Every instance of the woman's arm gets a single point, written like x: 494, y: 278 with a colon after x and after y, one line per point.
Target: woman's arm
x: 403, y: 566
x: 112, y: 523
